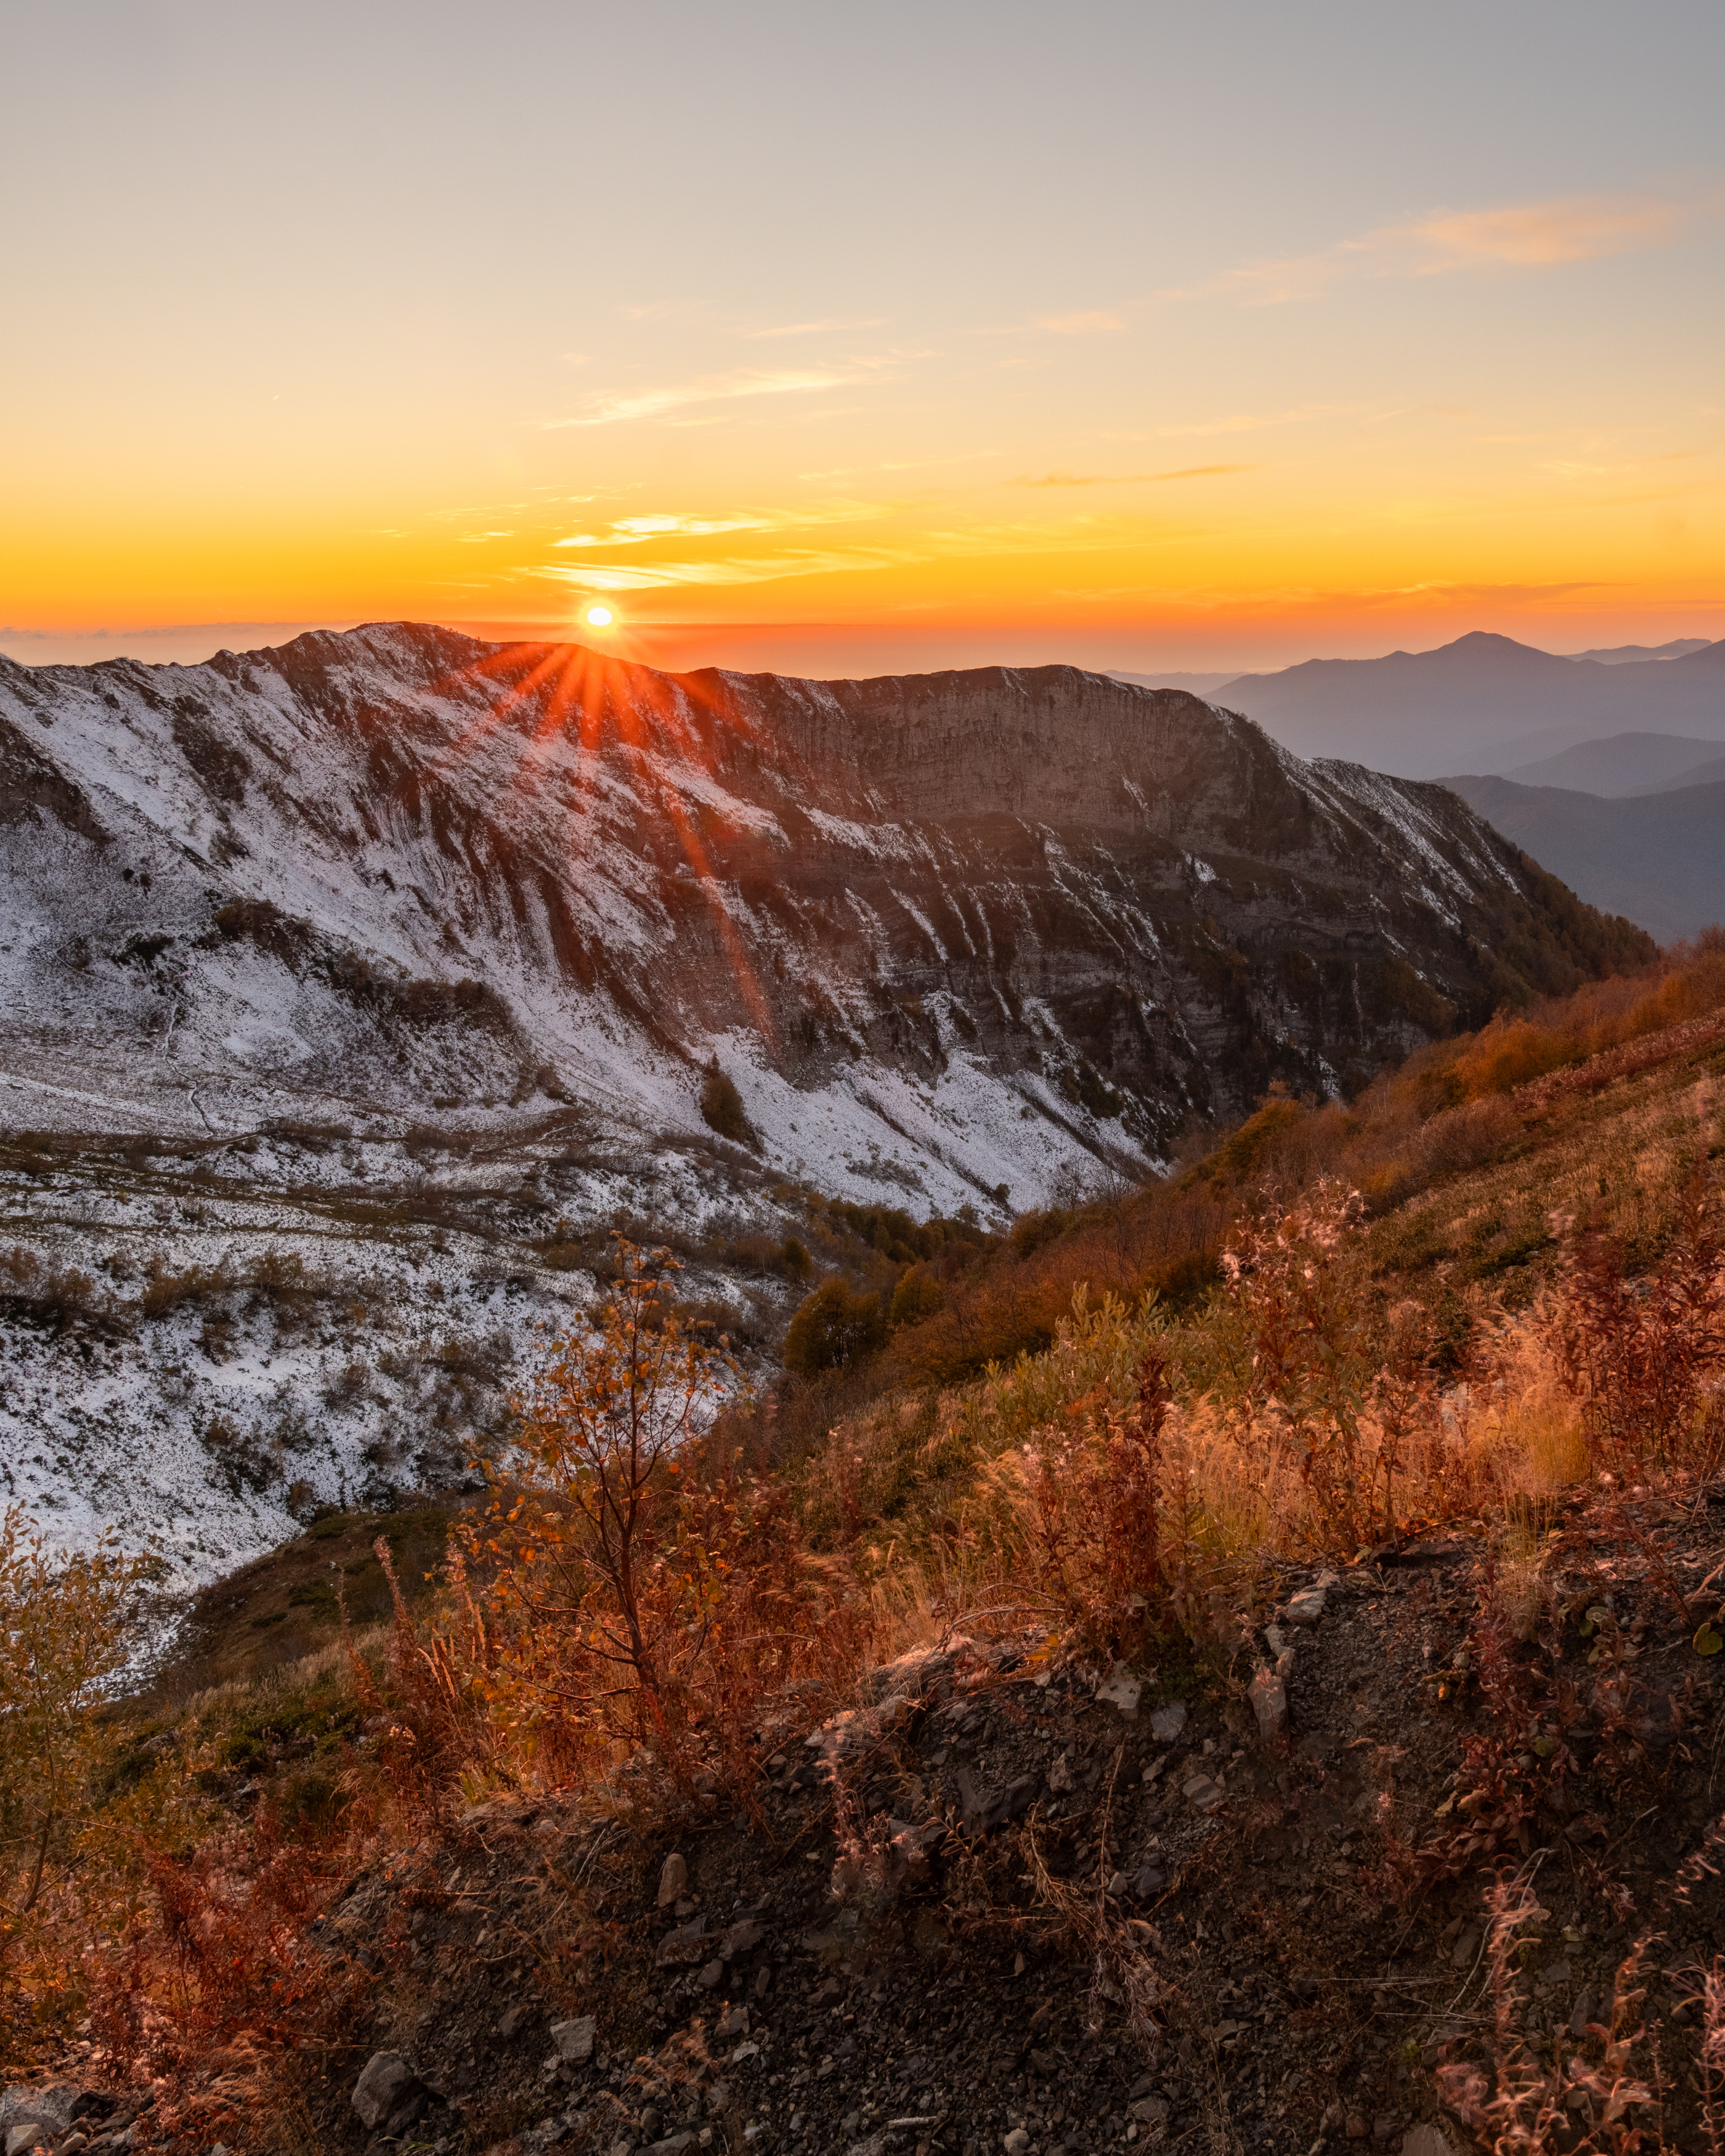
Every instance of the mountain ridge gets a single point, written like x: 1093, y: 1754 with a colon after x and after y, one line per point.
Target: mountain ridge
x: 996, y: 875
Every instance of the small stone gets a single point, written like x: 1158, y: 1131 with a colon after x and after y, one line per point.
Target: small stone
x: 574, y: 2039
x: 1017, y: 2143
x: 1148, y: 2111
x: 673, y: 1880
x: 1201, y: 1793
x: 1307, y: 1607
x: 509, y: 2024
x: 1151, y: 1880
x: 1357, y: 2128
x: 381, y: 2089
x: 20, y: 2139
x: 711, y: 1976
x: 1426, y: 2141
x: 75, y: 2141
x: 1586, y: 2011
x: 1117, y: 1887
x: 1167, y: 1721
x: 1465, y: 1948
x: 1060, y: 1776
x: 1121, y: 1690
x: 1270, y: 1703
x: 732, y: 2023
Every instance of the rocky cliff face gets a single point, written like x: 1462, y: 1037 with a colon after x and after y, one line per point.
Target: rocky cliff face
x: 945, y: 932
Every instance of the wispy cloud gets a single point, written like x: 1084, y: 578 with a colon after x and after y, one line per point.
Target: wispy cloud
x: 640, y: 530
x: 1094, y: 323
x: 1131, y: 479
x: 815, y: 329
x: 1238, y: 422
x: 732, y: 569
x: 660, y: 401
x: 637, y: 531
x: 1523, y: 235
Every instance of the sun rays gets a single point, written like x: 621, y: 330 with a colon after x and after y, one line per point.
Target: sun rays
x: 545, y: 696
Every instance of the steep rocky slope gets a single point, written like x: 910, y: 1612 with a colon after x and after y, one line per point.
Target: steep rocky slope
x: 946, y: 933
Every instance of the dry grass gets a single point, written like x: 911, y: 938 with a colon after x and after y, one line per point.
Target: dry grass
x: 1347, y: 1324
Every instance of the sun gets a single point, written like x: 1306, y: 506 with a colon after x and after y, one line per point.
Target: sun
x: 599, y: 617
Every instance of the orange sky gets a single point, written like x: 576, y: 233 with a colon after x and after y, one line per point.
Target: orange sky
x: 1191, y: 345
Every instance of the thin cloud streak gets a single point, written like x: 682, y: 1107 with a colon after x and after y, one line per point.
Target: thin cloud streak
x: 1131, y: 479
x: 815, y: 329
x: 1525, y: 236
x: 709, y: 389
x: 757, y: 569
x: 1094, y: 323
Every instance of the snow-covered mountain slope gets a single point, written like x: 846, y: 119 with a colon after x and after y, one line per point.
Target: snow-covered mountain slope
x: 944, y: 932
x: 351, y: 989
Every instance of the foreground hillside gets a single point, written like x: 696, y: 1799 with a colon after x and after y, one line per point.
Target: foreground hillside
x: 1280, y: 1714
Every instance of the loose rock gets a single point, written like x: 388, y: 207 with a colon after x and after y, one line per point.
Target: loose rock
x: 387, y: 2082
x: 574, y: 2039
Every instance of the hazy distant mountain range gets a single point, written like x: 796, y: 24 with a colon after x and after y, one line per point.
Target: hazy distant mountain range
x: 1483, y: 703
x: 1607, y: 766
x: 1477, y: 671
x: 1659, y: 858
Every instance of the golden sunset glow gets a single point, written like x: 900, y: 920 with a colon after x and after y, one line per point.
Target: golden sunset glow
x: 1059, y: 386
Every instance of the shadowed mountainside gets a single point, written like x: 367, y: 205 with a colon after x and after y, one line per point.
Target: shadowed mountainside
x: 1657, y: 858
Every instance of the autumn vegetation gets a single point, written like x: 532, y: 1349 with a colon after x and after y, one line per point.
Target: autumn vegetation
x: 1494, y: 1276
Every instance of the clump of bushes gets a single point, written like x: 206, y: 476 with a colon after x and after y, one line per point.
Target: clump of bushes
x: 721, y: 1108
x: 835, y: 1325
